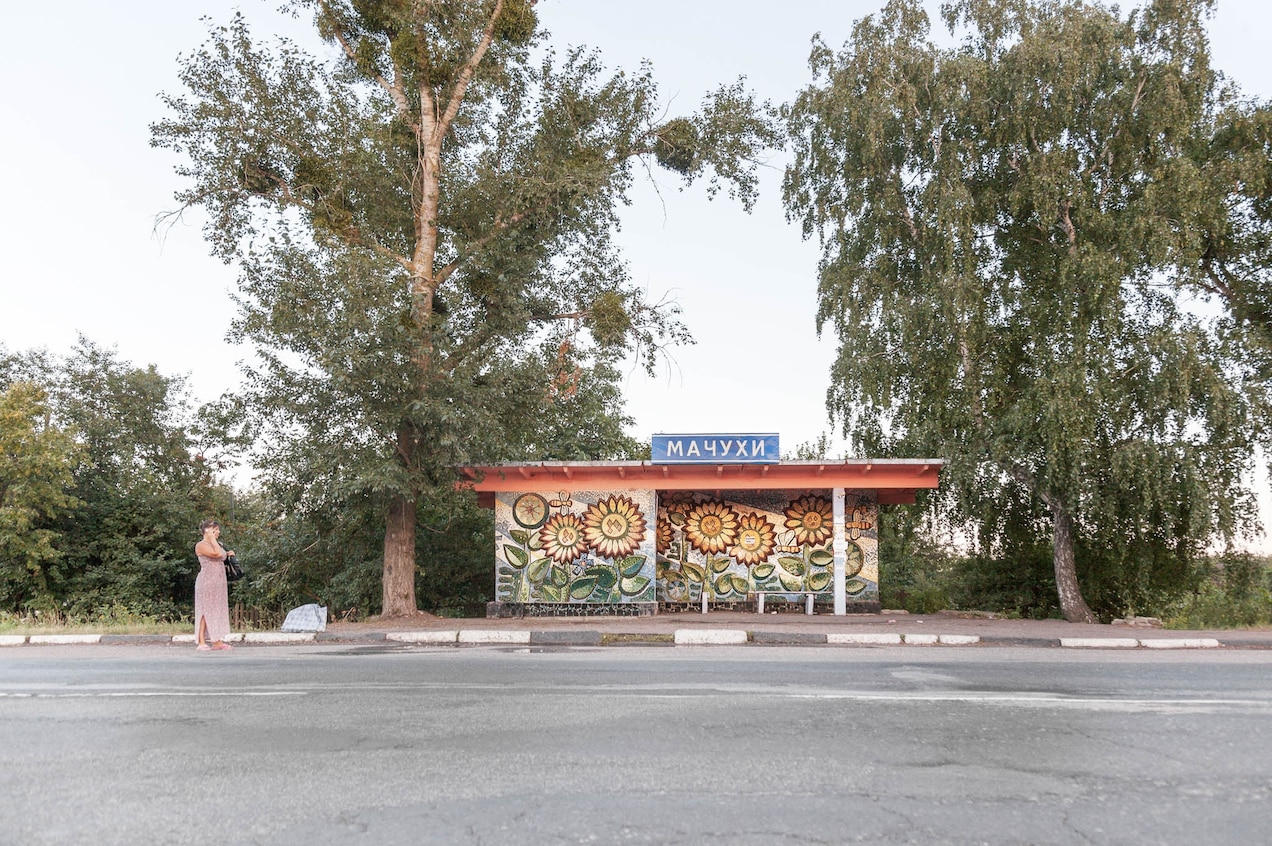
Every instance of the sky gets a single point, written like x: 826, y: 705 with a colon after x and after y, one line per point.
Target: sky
x: 83, y: 189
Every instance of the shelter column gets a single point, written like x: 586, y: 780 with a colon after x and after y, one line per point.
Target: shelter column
x: 839, y: 546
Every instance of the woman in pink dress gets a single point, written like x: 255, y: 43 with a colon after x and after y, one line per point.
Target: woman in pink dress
x: 211, y: 591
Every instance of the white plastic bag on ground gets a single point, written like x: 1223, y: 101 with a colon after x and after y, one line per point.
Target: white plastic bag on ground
x: 306, y: 618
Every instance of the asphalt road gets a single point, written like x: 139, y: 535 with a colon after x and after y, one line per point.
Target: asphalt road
x: 410, y: 745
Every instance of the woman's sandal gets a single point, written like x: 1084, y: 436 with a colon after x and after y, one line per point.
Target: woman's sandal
x: 203, y: 647
x: 221, y: 645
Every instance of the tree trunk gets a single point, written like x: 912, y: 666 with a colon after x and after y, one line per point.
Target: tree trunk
x: 398, y: 583
x: 1072, y: 605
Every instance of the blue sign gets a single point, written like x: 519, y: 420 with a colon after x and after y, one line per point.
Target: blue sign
x: 715, y: 449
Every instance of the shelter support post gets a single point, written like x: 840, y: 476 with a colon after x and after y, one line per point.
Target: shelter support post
x: 840, y: 548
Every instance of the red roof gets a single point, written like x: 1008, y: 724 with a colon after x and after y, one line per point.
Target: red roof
x: 896, y: 480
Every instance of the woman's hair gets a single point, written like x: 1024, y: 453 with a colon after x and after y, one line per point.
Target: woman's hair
x: 207, y: 524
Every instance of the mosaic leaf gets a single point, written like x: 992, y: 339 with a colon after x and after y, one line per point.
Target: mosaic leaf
x: 855, y: 586
x: 724, y: 584
x: 719, y: 565
x: 763, y: 571
x: 538, y: 569
x: 516, y: 556
x: 631, y: 565
x: 788, y: 581
x: 633, y: 586
x: 821, y: 557
x: 693, y: 572
x: 792, y: 564
x: 854, y: 560
x: 604, y: 576
x: 741, y: 584
x: 520, y: 536
x: 559, y: 576
x: 583, y: 587
x: 819, y: 581
x: 551, y: 594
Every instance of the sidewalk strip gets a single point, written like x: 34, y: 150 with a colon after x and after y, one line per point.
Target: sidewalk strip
x: 1099, y: 642
x: 448, y: 636
x: 921, y: 639
x: 12, y: 640
x: 710, y: 637
x: 863, y: 638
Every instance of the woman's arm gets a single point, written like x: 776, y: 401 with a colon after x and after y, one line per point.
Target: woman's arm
x: 208, y: 549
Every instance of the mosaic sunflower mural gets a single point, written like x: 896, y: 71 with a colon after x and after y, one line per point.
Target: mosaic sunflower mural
x: 614, y: 527
x: 580, y: 547
x: 809, y: 517
x: 563, y: 538
x: 778, y: 542
x: 755, y: 539
x: 711, y: 527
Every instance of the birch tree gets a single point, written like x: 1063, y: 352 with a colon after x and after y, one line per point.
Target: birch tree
x: 1020, y: 234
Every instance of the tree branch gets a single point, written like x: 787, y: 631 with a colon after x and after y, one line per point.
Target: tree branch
x: 392, y: 88
x: 466, y: 74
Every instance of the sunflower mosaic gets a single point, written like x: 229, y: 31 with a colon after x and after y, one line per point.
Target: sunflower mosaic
x: 712, y: 527
x: 809, y: 517
x: 755, y: 540
x: 563, y: 538
x: 662, y: 536
x: 614, y: 527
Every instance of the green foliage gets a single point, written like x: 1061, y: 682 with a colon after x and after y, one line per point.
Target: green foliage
x: 915, y: 573
x: 122, y: 510
x: 1013, y: 229
x: 1237, y: 594
x: 677, y: 146
x: 36, y: 461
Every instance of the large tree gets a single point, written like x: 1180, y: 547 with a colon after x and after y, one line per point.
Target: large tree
x: 1018, y: 235
x: 423, y: 219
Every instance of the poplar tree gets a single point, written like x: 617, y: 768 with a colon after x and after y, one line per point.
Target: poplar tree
x: 423, y: 215
x: 1021, y: 235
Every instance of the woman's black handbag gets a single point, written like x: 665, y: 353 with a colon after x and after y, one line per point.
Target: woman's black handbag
x: 233, y: 572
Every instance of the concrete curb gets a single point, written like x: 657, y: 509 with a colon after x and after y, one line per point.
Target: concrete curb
x: 863, y: 639
x: 1180, y: 643
x: 1020, y: 641
x: 279, y: 637
x: 117, y: 640
x: 493, y: 636
x: 567, y: 637
x: 680, y: 637
x: 62, y: 640
x: 424, y: 637
x: 710, y: 637
x: 789, y: 638
x: 1099, y: 642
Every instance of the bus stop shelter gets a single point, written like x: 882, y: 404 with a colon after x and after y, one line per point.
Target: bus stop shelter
x: 629, y: 537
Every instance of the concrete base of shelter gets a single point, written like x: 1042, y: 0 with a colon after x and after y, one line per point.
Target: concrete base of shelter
x: 570, y: 609
x: 774, y: 604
